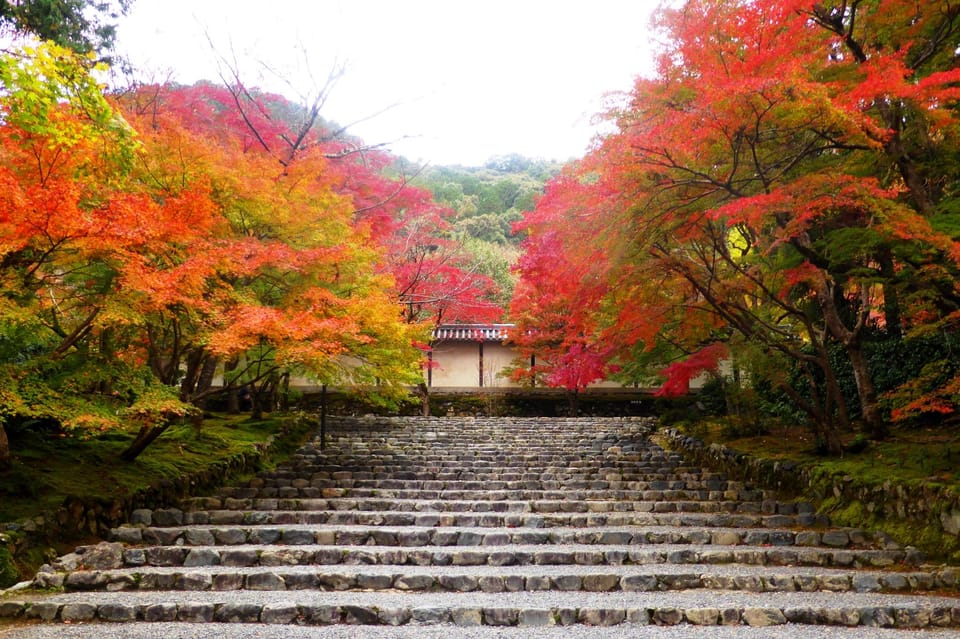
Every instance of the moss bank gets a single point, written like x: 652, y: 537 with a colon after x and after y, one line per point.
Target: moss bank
x: 62, y: 491
x: 905, y: 487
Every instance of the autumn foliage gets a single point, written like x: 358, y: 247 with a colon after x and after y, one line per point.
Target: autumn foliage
x: 774, y: 206
x: 168, y: 243
x: 782, y: 189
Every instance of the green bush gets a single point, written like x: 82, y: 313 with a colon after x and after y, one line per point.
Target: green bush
x: 894, y: 363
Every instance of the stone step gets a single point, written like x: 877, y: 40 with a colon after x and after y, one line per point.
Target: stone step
x: 397, y: 440
x: 633, y: 578
x: 293, y: 502
x: 533, y: 523
x: 358, y: 444
x: 528, y: 444
x: 505, y: 461
x: 494, y: 471
x: 483, y: 434
x: 324, y: 480
x: 238, y: 514
x: 504, y: 495
x: 541, y: 608
x: 680, y: 480
x: 214, y: 630
x: 347, y: 452
x: 489, y: 432
x: 413, y: 535
x: 613, y: 482
x: 309, y: 552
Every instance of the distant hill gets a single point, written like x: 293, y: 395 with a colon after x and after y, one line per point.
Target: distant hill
x: 487, y: 201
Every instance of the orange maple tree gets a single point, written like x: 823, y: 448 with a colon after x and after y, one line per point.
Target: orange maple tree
x: 185, y: 240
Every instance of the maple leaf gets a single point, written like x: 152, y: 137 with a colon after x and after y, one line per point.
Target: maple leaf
x: 679, y: 374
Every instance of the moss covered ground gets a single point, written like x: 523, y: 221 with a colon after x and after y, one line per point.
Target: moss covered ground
x: 48, y: 468
x: 920, y: 456
x: 909, y: 456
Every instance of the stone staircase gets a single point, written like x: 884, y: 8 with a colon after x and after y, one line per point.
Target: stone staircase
x: 532, y: 523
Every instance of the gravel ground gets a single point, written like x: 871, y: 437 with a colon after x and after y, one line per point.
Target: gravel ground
x: 245, y: 631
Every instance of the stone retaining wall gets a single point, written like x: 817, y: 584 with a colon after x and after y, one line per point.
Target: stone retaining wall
x: 84, y: 517
x: 499, y: 402
x: 928, y: 513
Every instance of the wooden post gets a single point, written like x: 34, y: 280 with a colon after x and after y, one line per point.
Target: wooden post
x: 323, y: 417
x: 481, y: 363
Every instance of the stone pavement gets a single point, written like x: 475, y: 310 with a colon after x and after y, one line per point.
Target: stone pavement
x: 463, y: 523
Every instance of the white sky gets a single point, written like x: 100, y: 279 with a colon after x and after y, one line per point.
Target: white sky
x: 471, y: 79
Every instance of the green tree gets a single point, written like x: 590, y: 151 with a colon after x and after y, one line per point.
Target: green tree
x: 81, y: 25
x: 489, y: 200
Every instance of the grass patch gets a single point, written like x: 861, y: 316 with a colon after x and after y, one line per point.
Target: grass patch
x: 47, y: 468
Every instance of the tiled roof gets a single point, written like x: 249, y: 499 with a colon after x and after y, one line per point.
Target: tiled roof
x: 472, y: 332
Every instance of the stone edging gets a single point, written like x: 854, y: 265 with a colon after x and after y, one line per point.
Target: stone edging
x: 937, y: 507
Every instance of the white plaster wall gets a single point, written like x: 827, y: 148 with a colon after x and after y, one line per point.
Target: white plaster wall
x: 457, y: 364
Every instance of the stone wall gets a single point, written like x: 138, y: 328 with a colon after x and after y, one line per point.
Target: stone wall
x: 85, y: 518
x: 499, y: 402
x: 925, y: 515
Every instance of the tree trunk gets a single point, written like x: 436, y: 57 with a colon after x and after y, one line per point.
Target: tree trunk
x: 834, y: 399
x: 106, y: 354
x: 233, y: 401
x: 233, y: 395
x: 259, y: 398
x: 266, y: 394
x: 424, y: 399
x: 850, y: 339
x: 872, y: 419
x: 147, y: 435
x: 574, y: 398
x: 821, y: 422
x: 284, y: 389
x: 207, y: 372
x: 194, y: 365
x: 256, y: 405
x: 891, y: 299
x: 273, y: 398
x: 732, y: 395
x: 6, y: 459
x: 323, y: 417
